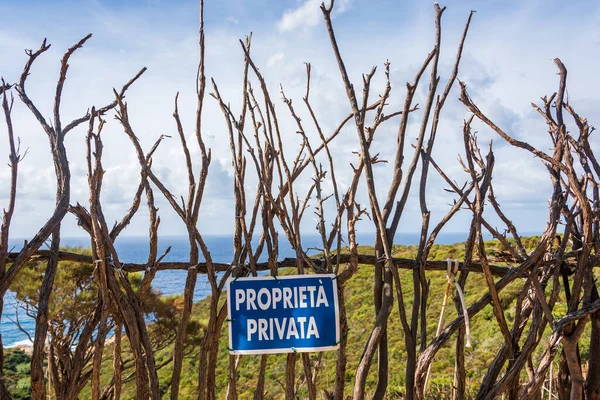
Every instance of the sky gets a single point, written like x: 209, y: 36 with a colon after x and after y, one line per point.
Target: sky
x: 507, y: 65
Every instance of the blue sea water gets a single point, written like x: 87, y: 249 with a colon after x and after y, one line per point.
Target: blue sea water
x: 135, y: 250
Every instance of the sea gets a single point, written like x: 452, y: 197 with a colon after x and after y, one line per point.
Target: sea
x: 135, y: 250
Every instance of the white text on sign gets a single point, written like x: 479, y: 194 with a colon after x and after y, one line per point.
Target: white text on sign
x: 297, y: 297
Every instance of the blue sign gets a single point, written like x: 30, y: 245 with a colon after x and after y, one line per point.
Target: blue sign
x: 288, y: 314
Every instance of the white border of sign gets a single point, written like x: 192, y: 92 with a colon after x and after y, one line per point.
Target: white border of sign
x: 295, y: 349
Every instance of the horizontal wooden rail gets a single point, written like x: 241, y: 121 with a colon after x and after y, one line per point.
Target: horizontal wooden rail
x: 402, y: 263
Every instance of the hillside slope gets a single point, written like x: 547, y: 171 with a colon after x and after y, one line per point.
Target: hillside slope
x: 486, y: 338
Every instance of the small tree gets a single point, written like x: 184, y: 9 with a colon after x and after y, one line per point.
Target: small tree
x: 73, y: 311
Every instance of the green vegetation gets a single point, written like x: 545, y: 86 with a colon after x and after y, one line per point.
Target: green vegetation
x: 486, y: 338
x: 73, y: 300
x: 16, y: 373
x: 74, y: 292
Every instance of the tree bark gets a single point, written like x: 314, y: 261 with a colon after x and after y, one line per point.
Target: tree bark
x: 592, y: 383
x: 117, y: 362
x: 38, y: 385
x: 260, y: 383
x: 290, y: 377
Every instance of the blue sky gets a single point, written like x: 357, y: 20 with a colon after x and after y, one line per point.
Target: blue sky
x: 506, y: 65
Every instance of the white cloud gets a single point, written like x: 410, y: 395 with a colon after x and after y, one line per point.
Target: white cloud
x: 232, y: 20
x: 275, y: 59
x: 308, y: 14
x: 503, y: 72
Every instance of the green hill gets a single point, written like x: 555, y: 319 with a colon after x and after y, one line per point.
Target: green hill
x: 486, y: 338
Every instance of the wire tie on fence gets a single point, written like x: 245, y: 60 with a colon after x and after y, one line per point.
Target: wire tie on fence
x: 278, y: 281
x: 294, y: 349
x: 230, y: 349
x: 343, y: 339
x: 119, y: 269
x: 462, y: 301
x: 193, y: 266
x: 230, y: 320
x: 335, y: 277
